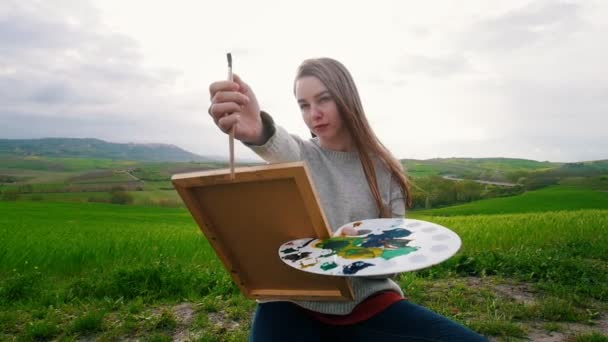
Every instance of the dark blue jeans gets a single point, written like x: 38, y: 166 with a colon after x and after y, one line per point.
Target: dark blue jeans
x: 402, y: 321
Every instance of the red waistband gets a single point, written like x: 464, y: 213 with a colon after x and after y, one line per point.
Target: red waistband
x: 365, y: 310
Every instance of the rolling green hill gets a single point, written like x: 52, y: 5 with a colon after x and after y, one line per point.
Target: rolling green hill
x: 86, y: 170
x: 493, y: 169
x: 553, y: 198
x: 95, y: 148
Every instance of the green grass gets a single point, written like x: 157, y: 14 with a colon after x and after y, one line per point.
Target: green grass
x: 102, y: 178
x: 165, y: 322
x: 592, y: 337
x: 576, y: 232
x: 35, y: 176
x: 559, y: 248
x: 70, y: 238
x: 56, y: 164
x: 55, y: 253
x: 89, y: 323
x: 417, y: 168
x: 162, y: 198
x: 65, y: 196
x: 157, y: 197
x: 41, y: 330
x: 554, y: 198
x: 90, y: 259
x: 105, y: 269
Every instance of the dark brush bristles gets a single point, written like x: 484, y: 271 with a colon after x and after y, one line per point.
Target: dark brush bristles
x: 229, y: 56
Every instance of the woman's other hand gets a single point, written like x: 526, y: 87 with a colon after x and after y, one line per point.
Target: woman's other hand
x: 346, y: 231
x: 233, y: 104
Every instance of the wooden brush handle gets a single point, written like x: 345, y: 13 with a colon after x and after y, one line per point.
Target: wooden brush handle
x: 231, y: 143
x: 231, y: 138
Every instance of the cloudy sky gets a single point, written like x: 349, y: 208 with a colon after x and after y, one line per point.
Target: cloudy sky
x: 523, y: 79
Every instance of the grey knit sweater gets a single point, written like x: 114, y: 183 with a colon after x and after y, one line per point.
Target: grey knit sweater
x: 344, y: 194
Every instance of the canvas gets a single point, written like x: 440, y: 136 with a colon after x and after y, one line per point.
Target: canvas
x: 247, y: 219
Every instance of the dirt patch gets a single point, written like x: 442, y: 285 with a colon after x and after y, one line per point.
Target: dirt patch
x: 184, y: 315
x: 523, y: 293
x: 526, y: 294
x: 541, y: 335
x: 520, y: 292
x: 602, y: 324
x: 222, y: 321
x: 570, y: 330
x: 182, y: 335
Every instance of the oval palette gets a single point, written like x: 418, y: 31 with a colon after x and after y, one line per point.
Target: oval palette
x: 381, y: 247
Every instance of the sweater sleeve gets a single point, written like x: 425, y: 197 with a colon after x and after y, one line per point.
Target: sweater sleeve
x: 280, y: 146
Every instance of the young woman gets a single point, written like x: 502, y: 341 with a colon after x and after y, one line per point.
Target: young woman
x: 356, y: 178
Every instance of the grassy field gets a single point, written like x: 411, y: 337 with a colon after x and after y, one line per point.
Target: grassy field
x: 61, y: 263
x: 73, y: 267
x: 553, y: 198
x: 39, y: 178
x: 56, y: 164
x: 89, y: 270
x: 152, y: 197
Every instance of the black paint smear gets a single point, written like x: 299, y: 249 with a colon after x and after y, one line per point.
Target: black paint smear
x: 306, y: 244
x: 289, y: 250
x: 355, y: 267
x: 296, y: 256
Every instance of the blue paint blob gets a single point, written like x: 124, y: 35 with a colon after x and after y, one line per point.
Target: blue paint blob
x: 379, y: 240
x: 355, y: 267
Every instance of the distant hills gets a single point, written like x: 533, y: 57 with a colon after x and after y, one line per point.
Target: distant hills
x: 494, y: 169
x: 521, y: 171
x: 475, y: 168
x: 96, y: 148
x: 53, y: 167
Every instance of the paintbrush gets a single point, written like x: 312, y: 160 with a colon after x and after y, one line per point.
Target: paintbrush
x: 231, y: 138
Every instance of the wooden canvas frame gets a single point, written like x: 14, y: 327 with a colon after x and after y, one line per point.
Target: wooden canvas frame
x: 247, y: 219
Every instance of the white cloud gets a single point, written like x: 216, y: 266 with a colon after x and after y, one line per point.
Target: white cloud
x: 520, y: 79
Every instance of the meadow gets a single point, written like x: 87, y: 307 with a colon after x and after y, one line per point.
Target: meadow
x: 69, y: 179
x: 60, y: 262
x: 91, y: 270
x: 74, y: 267
x: 552, y: 198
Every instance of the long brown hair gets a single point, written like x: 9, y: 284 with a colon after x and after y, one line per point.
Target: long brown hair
x: 341, y: 86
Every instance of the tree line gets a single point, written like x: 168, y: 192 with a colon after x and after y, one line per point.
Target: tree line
x: 436, y: 191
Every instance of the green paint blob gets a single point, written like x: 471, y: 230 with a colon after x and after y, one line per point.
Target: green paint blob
x: 334, y: 244
x: 392, y: 253
x: 355, y: 247
x: 326, y: 266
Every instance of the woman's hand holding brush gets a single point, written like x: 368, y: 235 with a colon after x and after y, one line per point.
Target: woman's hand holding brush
x: 233, y: 104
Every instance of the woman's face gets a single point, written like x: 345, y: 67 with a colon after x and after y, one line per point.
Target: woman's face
x: 320, y: 113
